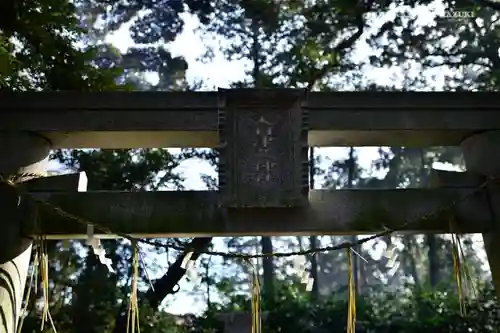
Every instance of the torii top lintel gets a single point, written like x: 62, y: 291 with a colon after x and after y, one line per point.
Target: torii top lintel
x: 190, y: 119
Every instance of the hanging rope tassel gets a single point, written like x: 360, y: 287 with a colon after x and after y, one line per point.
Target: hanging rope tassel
x: 351, y: 312
x: 457, y: 270
x: 43, y: 261
x: 133, y: 308
x: 460, y: 269
x: 255, y: 293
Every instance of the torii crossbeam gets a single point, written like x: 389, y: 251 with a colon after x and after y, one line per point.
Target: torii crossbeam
x: 263, y: 137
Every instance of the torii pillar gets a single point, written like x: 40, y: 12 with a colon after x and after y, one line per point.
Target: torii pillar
x: 482, y: 156
x: 21, y: 152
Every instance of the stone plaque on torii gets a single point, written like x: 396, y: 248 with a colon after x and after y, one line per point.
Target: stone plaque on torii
x: 262, y: 136
x: 263, y: 149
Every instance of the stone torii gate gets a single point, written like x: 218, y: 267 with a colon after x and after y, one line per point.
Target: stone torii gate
x: 263, y: 137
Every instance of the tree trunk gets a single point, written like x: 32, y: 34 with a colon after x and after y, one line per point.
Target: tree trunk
x: 266, y: 242
x: 351, y: 164
x: 314, y: 267
x: 313, y: 239
x: 430, y: 240
x: 410, y: 256
x: 432, y: 255
x: 268, y: 267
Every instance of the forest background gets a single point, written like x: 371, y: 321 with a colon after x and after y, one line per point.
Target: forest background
x: 341, y: 45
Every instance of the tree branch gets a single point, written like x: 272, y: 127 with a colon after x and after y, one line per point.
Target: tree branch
x: 165, y: 285
x: 341, y: 47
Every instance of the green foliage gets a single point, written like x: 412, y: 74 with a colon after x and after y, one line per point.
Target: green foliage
x: 38, y: 49
x: 152, y: 25
x: 124, y: 169
x: 468, y: 46
x: 423, y: 311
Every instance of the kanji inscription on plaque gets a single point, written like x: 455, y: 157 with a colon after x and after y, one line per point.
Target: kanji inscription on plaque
x: 263, y: 152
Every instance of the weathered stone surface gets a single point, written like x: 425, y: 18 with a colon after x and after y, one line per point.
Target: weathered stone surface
x: 195, y: 213
x: 190, y: 119
x: 482, y: 158
x: 263, y: 159
x: 15, y: 151
x: 442, y: 178
x: 72, y: 182
x: 63, y: 101
x: 264, y: 137
x: 405, y: 100
x: 20, y: 152
x: 60, y: 102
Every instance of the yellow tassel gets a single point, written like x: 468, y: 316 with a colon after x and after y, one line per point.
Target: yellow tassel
x: 255, y: 294
x: 458, y: 274
x: 44, y: 289
x: 460, y: 269
x: 351, y: 313
x: 43, y: 261
x: 133, y: 309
